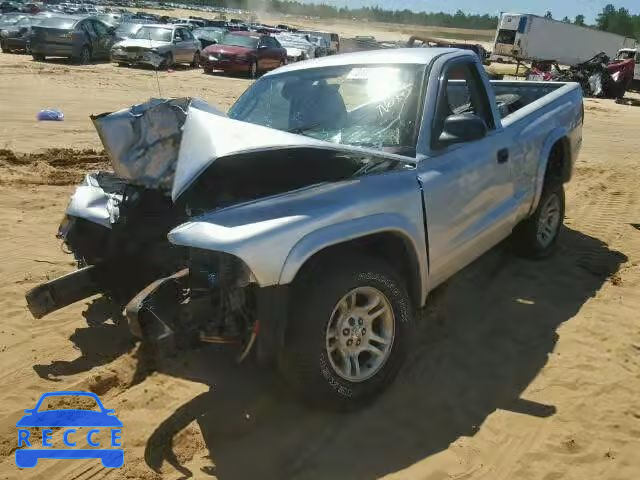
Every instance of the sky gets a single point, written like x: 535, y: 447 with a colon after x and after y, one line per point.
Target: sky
x: 559, y: 8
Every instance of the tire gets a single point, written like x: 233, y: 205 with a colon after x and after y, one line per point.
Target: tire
x: 122, y: 64
x: 195, y: 63
x: 322, y: 377
x: 167, y: 63
x: 253, y: 69
x: 38, y: 57
x: 85, y: 56
x: 208, y: 70
x: 528, y: 237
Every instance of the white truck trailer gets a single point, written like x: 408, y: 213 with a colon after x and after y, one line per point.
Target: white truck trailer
x: 527, y: 37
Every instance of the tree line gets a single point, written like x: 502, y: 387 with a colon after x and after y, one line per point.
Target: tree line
x: 611, y: 19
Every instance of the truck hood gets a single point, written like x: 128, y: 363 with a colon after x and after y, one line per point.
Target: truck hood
x: 168, y: 144
x: 141, y: 43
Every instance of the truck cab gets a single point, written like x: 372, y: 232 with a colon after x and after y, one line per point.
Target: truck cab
x: 631, y: 54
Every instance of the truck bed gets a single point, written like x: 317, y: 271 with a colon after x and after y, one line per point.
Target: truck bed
x: 512, y: 96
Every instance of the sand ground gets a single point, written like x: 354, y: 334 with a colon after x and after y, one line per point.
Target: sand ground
x: 522, y: 370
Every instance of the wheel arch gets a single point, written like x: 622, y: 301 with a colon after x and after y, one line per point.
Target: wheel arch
x: 555, y: 161
x: 393, y: 243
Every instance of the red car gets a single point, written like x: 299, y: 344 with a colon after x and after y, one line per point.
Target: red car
x: 245, y: 52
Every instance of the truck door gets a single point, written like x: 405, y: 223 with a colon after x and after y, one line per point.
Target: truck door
x: 467, y: 187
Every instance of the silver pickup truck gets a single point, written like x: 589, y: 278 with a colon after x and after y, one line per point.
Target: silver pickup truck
x: 310, y: 223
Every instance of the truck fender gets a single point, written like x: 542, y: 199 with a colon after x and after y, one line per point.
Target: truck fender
x: 557, y: 134
x: 356, y: 228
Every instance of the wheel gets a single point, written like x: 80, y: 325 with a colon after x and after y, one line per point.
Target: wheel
x: 537, y: 236
x: 85, y: 56
x: 195, y: 63
x: 122, y: 64
x: 38, y: 57
x: 348, y: 334
x: 253, y: 69
x: 167, y: 63
x: 208, y: 70
x: 3, y: 48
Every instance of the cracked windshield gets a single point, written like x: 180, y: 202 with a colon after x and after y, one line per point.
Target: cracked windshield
x: 320, y: 239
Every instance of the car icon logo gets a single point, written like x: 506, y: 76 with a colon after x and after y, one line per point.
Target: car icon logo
x: 68, y: 420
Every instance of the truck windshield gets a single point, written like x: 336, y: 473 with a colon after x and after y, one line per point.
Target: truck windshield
x: 369, y: 106
x: 506, y: 37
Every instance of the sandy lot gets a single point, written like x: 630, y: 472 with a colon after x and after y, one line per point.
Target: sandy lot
x: 523, y: 370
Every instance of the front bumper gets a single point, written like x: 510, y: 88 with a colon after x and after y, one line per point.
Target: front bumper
x: 152, y: 59
x: 225, y: 64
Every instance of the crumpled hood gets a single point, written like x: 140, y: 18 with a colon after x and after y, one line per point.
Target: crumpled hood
x: 168, y: 144
x: 142, y: 43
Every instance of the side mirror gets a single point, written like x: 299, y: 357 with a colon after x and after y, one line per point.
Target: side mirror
x: 466, y: 127
x: 111, y: 30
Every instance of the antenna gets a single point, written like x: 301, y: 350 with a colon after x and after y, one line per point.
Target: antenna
x: 156, y: 67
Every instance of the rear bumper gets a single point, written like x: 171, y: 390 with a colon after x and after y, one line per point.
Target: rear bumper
x: 142, y: 58
x: 52, y: 50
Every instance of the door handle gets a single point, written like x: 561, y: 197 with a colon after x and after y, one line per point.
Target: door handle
x: 503, y: 155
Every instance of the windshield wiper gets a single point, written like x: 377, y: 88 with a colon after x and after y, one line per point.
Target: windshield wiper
x: 306, y: 128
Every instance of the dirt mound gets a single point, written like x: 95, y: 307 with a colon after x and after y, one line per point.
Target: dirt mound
x: 56, y: 166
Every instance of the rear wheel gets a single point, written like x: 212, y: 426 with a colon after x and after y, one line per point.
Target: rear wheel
x: 537, y: 236
x: 38, y: 57
x: 348, y: 334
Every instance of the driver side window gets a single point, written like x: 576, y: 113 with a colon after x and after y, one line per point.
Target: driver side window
x: 178, y: 35
x: 462, y: 91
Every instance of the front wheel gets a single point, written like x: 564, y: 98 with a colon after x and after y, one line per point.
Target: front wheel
x: 253, y: 69
x: 167, y: 63
x: 38, y: 57
x: 195, y: 63
x: 349, y: 332
x: 537, y: 236
x: 85, y: 56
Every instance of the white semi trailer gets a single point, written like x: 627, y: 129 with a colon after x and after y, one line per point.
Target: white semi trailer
x: 529, y: 37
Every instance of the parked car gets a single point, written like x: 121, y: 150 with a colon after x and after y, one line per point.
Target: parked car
x: 321, y: 44
x: 244, y: 52
x: 16, y: 37
x: 81, y: 39
x: 127, y: 30
x: 335, y: 197
x: 159, y: 46
x: 333, y: 39
x: 209, y: 35
x: 297, y: 46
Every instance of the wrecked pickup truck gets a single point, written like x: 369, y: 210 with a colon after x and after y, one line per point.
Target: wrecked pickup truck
x: 310, y: 223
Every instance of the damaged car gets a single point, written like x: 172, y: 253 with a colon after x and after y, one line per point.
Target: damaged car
x: 309, y: 224
x: 159, y: 46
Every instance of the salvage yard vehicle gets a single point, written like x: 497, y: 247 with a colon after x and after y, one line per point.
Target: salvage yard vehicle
x: 82, y: 39
x: 16, y: 37
x: 297, y: 46
x: 312, y: 222
x: 159, y: 46
x: 209, y: 35
x: 244, y: 52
